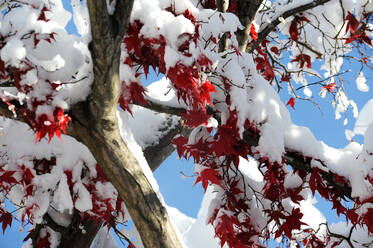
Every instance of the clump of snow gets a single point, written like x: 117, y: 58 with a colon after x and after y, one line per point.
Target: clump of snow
x: 361, y: 82
x: 13, y: 52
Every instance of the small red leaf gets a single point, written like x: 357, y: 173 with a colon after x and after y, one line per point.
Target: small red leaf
x: 253, y: 33
x: 6, y: 219
x: 330, y: 87
x: 207, y: 175
x: 291, y: 102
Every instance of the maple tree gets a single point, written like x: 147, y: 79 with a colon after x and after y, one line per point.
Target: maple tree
x: 224, y: 63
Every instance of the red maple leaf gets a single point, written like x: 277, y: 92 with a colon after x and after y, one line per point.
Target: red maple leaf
x: 292, y: 222
x: 330, y: 87
x: 207, y: 175
x: 263, y: 65
x: 253, y: 33
x: 275, y: 50
x: 291, y: 102
x: 180, y: 143
x: 195, y: 118
x: 7, y: 177
x: 205, y: 91
x: 6, y: 219
x: 42, y: 16
x: 352, y: 23
x: 368, y: 219
x: 303, y: 59
x: 293, y: 30
x: 44, y: 242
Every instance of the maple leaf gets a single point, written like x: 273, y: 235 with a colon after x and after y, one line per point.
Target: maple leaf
x: 263, y: 65
x: 352, y: 23
x: 293, y: 30
x: 207, y: 175
x: 44, y: 242
x: 137, y: 93
x: 295, y: 195
x: 8, y: 177
x: 253, y: 33
x: 286, y: 77
x: 368, y: 219
x: 303, y: 59
x: 205, y: 91
x: 6, y: 219
x: 291, y: 102
x: 189, y: 15
x: 42, y: 16
x: 180, y: 142
x: 330, y: 87
x: 36, y: 40
x: 195, y: 118
x: 292, y: 222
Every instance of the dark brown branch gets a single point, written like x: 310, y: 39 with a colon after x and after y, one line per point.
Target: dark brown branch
x: 162, y: 108
x: 156, y: 154
x: 292, y: 157
x: 262, y: 35
x: 223, y: 42
x: 6, y: 112
x: 121, y: 18
x: 246, y: 13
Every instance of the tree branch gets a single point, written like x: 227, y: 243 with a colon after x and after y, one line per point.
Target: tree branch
x: 156, y: 154
x: 246, y: 13
x: 6, y: 112
x: 297, y: 161
x: 121, y: 17
x: 263, y: 33
x: 292, y: 157
x: 95, y: 124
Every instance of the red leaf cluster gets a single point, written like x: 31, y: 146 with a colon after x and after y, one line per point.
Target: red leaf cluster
x: 186, y: 79
x: 6, y: 219
x: 294, y: 26
x: 303, y: 59
x: 358, y: 29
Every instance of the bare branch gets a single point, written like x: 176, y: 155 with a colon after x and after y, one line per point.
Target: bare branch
x: 263, y: 33
x: 156, y: 154
x: 6, y: 111
x: 246, y: 13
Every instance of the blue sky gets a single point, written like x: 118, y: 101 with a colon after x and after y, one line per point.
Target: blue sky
x: 178, y: 190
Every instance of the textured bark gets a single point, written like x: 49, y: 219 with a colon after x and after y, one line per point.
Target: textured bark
x: 156, y: 154
x: 246, y: 13
x: 95, y: 124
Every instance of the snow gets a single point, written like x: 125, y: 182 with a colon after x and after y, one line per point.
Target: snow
x: 13, y: 52
x: 62, y: 197
x: 361, y: 82
x: 66, y: 59
x: 83, y: 202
